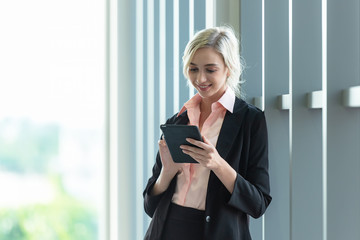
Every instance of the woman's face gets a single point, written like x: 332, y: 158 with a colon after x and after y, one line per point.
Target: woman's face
x: 208, y: 73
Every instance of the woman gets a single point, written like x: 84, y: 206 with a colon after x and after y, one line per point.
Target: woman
x: 212, y: 199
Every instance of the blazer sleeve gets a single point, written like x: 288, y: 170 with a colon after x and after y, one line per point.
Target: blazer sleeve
x: 252, y: 192
x: 152, y: 201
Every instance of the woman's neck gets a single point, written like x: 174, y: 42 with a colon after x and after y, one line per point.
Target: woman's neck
x: 205, y: 111
x: 205, y: 106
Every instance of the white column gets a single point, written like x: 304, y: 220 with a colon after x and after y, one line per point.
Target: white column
x: 307, y: 162
x: 120, y: 134
x: 343, y: 124
x: 277, y: 83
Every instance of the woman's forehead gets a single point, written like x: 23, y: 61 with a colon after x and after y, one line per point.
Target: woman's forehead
x: 207, y: 56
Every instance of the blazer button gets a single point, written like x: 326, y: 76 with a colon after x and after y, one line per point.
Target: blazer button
x: 207, y: 218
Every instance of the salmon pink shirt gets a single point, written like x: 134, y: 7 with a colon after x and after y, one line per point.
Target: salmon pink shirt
x: 192, y: 180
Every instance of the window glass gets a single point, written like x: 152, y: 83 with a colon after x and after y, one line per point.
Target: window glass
x: 52, y: 123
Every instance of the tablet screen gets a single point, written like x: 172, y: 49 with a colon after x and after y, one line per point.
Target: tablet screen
x: 175, y: 135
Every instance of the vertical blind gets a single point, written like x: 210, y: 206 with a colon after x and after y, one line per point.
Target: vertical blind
x: 309, y: 60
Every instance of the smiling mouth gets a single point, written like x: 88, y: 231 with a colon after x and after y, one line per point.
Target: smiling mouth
x: 204, y: 87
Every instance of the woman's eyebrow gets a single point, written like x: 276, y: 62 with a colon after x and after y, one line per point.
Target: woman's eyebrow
x: 206, y: 65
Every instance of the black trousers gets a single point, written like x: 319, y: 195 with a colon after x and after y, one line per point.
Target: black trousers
x: 184, y: 223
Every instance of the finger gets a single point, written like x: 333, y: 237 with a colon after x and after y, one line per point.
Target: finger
x: 195, y: 156
x: 162, y: 144
x: 192, y: 149
x: 197, y: 143
x: 207, y: 142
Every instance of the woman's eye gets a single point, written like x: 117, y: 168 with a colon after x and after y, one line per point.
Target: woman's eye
x: 193, y: 69
x: 210, y: 71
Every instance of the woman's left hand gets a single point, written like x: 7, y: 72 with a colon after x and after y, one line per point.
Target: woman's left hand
x: 206, y: 154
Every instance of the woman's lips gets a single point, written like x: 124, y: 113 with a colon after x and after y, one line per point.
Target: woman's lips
x: 204, y: 88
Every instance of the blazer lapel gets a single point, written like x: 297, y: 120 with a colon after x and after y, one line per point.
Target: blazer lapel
x: 182, y: 119
x: 230, y: 128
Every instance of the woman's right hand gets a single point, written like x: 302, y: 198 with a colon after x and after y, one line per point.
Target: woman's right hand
x: 168, y: 171
x: 169, y: 166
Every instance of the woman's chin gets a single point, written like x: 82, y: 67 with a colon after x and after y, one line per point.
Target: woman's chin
x: 206, y: 94
x: 211, y: 93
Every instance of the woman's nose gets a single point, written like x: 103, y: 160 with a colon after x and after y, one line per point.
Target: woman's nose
x: 201, y: 77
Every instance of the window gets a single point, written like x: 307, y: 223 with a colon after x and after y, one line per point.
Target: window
x: 52, y: 119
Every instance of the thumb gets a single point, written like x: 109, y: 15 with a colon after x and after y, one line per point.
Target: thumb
x: 161, y: 142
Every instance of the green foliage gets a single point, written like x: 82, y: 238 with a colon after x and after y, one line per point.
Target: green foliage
x: 27, y: 147
x: 65, y: 218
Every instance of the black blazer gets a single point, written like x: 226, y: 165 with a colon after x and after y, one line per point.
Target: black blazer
x: 243, y: 144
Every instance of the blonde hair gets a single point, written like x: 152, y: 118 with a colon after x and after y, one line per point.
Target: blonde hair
x: 224, y: 41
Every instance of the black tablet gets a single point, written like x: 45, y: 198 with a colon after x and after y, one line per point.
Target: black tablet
x: 175, y: 135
